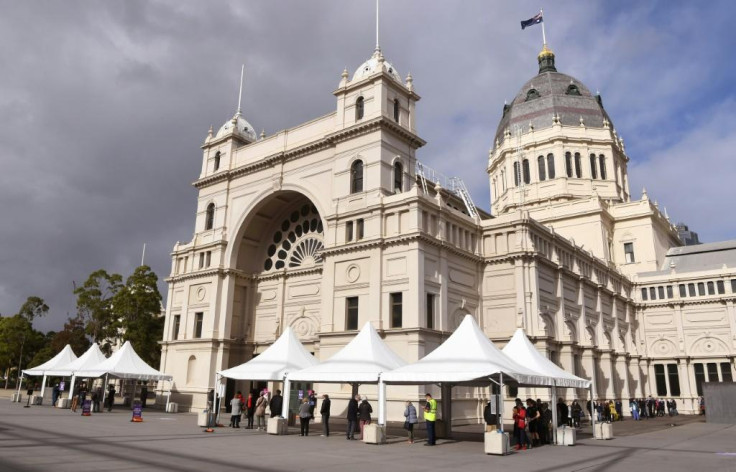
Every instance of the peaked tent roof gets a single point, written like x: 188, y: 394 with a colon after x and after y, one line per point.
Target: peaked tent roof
x: 124, y: 364
x: 523, y: 351
x: 61, y: 359
x: 92, y: 357
x: 285, y: 355
x: 467, y: 356
x: 362, y: 360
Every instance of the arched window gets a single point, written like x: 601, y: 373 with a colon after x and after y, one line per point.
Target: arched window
x: 602, y: 163
x: 191, y: 369
x: 532, y: 94
x: 551, y: 166
x: 359, y: 108
x: 542, y: 170
x: 593, y: 173
x: 527, y: 174
x: 209, y: 221
x: 217, y: 160
x: 568, y: 164
x: 578, y: 166
x: 396, y: 110
x: 517, y: 174
x: 356, y: 177
x: 398, y: 177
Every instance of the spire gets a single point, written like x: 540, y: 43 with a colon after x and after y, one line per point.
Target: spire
x: 240, y: 93
x: 378, y: 45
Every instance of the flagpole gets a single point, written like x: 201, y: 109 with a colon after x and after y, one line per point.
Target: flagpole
x: 544, y: 36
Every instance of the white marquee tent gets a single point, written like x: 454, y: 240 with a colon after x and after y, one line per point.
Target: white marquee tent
x: 285, y: 355
x: 362, y: 360
x: 61, y: 359
x: 92, y: 357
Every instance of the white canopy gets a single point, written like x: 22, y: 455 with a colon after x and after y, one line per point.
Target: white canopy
x: 523, y: 351
x: 60, y: 360
x: 285, y: 355
x: 361, y: 361
x: 467, y: 356
x: 124, y: 364
x: 92, y: 357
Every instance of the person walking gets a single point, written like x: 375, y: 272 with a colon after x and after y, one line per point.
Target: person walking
x: 533, y: 417
x: 430, y: 416
x: 236, y: 408
x: 110, y: 400
x: 324, y: 410
x: 312, y: 402
x: 261, y: 405
x: 276, y: 404
x: 250, y: 410
x: 410, y: 413
x: 54, y: 394
x: 304, y: 417
x: 634, y: 407
x: 144, y: 394
x: 364, y: 414
x: 352, y: 416
x: 577, y: 412
x: 519, y: 416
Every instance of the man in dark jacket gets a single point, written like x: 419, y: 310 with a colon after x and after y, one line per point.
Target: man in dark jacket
x: 562, y: 413
x: 324, y: 410
x: 490, y: 417
x: 364, y: 414
x: 352, y: 416
x: 276, y: 404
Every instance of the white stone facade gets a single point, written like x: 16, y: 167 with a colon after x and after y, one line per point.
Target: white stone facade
x: 327, y: 225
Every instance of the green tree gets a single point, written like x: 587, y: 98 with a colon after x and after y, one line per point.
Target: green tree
x: 137, y: 306
x: 73, y: 334
x: 45, y: 351
x: 34, y: 307
x: 18, y: 344
x: 95, y: 307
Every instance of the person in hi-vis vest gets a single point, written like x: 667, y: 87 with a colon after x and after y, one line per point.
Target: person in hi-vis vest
x: 430, y: 416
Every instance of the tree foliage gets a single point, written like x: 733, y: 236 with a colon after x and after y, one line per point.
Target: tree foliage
x: 137, y: 307
x: 95, y: 307
x: 34, y: 307
x: 19, y: 342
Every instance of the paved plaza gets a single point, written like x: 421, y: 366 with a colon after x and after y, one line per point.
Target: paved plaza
x: 41, y: 438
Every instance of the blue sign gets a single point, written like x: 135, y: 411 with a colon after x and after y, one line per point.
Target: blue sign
x: 137, y: 413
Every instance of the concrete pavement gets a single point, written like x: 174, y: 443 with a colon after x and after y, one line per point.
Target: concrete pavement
x: 42, y: 438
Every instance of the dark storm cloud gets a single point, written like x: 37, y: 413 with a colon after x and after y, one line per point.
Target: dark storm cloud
x: 105, y: 105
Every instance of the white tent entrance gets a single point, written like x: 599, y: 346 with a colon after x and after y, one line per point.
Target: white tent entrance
x: 51, y: 367
x: 286, y: 354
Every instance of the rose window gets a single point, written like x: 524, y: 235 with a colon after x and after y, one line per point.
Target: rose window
x: 298, y: 241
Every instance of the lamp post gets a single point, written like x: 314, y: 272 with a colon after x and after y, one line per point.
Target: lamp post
x: 20, y: 358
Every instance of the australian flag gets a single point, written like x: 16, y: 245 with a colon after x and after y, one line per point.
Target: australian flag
x: 536, y: 19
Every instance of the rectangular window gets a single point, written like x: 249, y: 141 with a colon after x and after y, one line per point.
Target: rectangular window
x: 208, y: 259
x: 712, y: 372
x: 683, y: 294
x: 674, y: 377
x: 629, y: 253
x: 733, y: 285
x: 669, y: 291
x: 396, y: 309
x: 699, y: 377
x: 701, y: 288
x: 720, y: 287
x: 430, y: 310
x: 661, y: 381
x: 711, y: 289
x: 175, y: 327
x: 351, y: 313
x: 349, y: 231
x: 691, y: 289
x: 660, y: 292
x: 726, y: 375
x: 198, y: 319
x: 644, y: 294
x: 359, y: 229
x: 201, y: 260
x: 652, y: 293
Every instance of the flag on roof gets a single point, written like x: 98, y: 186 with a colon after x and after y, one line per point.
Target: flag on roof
x: 536, y: 19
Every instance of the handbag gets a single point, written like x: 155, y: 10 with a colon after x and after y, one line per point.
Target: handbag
x: 407, y: 425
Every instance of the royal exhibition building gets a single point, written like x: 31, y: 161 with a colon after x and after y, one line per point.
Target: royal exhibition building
x: 336, y: 222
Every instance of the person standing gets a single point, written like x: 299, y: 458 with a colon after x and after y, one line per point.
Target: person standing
x: 364, y: 414
x: 261, y: 405
x: 54, y: 394
x: 236, y: 407
x: 490, y: 417
x: 519, y: 415
x: 312, y: 402
x: 410, y: 413
x: 430, y: 416
x: 250, y: 409
x: 144, y: 394
x: 352, y: 416
x: 634, y: 407
x: 110, y: 400
x: 562, y: 413
x: 276, y: 404
x: 324, y: 410
x: 304, y: 417
x: 533, y: 417
x: 577, y: 413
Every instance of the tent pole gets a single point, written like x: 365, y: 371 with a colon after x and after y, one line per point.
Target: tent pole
x: 217, y: 388
x: 20, y: 379
x: 285, y: 399
x: 592, y: 408
x: 71, y: 387
x: 43, y: 385
x: 104, y: 394
x: 553, y: 390
x: 500, y: 398
x: 168, y: 396
x: 381, y: 402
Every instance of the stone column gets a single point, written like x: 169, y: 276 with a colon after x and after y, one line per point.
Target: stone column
x: 606, y: 369
x: 590, y: 369
x: 624, y: 392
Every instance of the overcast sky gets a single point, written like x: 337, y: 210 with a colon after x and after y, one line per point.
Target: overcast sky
x: 105, y: 105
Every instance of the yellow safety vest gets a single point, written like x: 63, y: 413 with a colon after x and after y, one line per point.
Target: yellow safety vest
x: 431, y: 415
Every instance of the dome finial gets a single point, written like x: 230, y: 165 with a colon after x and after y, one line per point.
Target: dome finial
x: 546, y: 60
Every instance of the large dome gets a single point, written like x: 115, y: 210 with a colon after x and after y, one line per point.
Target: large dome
x: 373, y: 65
x: 242, y: 128
x: 551, y: 95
